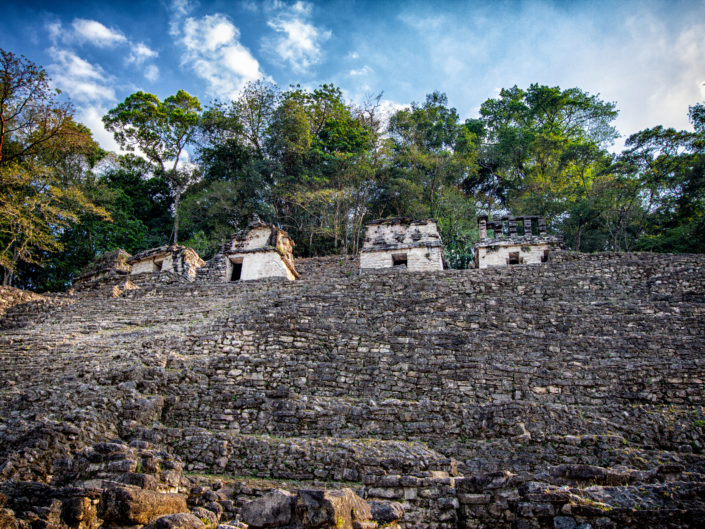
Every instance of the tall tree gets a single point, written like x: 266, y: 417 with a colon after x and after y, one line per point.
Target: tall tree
x: 161, y: 130
x: 433, y: 156
x: 43, y: 156
x: 670, y: 166
x: 541, y: 144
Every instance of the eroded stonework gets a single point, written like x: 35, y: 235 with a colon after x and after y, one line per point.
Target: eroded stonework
x: 262, y: 251
x: 565, y: 395
x: 179, y: 260
x: 406, y: 244
x: 515, y: 241
x: 109, y: 265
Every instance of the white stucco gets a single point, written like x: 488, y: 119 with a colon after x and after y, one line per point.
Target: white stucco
x: 498, y: 255
x: 418, y: 259
x: 259, y: 265
x: 141, y: 267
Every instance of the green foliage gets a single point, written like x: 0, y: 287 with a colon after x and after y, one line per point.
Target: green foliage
x: 161, y: 130
x: 44, y: 156
x: 320, y: 167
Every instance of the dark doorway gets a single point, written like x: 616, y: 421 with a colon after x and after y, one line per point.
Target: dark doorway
x: 513, y: 258
x: 544, y: 257
x: 237, y: 271
x: 399, y: 259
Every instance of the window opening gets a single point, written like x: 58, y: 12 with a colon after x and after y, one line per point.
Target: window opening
x: 399, y: 259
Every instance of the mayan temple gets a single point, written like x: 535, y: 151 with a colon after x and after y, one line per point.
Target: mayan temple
x: 561, y: 394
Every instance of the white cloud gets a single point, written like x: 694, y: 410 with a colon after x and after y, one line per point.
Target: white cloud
x: 92, y: 117
x: 140, y: 52
x: 96, y: 33
x: 365, y: 70
x: 249, y: 5
x: 646, y: 57
x: 83, y: 81
x: 213, y: 50
x: 151, y: 73
x: 179, y: 10
x: 298, y: 42
x: 55, y: 31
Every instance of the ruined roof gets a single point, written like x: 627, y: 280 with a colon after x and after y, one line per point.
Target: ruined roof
x: 399, y: 233
x: 400, y: 221
x: 519, y: 240
x: 239, y: 241
x: 115, y: 261
x: 159, y: 251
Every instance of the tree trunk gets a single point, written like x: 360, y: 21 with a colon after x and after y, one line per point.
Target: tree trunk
x: 177, y: 200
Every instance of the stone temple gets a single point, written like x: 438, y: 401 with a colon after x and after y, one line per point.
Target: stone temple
x: 403, y: 243
x: 515, y: 241
x: 180, y: 260
x: 106, y: 266
x: 262, y: 251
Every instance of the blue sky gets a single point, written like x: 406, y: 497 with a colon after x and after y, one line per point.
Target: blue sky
x: 647, y: 56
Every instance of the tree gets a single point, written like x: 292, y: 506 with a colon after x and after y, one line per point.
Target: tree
x: 670, y: 167
x: 433, y: 156
x: 161, y: 130
x: 541, y: 145
x: 30, y: 114
x: 43, y: 157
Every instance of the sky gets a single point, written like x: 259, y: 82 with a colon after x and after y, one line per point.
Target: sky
x: 647, y: 56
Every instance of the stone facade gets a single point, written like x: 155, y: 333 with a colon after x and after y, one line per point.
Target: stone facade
x: 516, y: 241
x: 565, y: 395
x: 179, y: 260
x: 262, y: 251
x: 402, y: 243
x: 109, y: 265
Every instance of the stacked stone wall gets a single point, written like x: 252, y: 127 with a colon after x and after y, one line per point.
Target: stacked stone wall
x: 412, y: 385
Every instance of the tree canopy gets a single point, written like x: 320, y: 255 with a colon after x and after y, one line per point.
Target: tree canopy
x: 321, y: 167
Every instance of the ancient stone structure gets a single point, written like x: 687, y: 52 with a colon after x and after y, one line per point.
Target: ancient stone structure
x: 108, y: 265
x: 566, y: 395
x: 402, y: 243
x: 177, y: 259
x: 515, y: 241
x: 262, y: 251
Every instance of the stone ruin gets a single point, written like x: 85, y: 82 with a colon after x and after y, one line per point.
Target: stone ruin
x: 262, y: 251
x: 567, y: 396
x: 516, y: 241
x: 177, y: 259
x: 402, y: 243
x: 110, y: 265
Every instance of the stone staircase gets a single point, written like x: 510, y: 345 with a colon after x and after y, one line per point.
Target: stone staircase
x: 589, y: 360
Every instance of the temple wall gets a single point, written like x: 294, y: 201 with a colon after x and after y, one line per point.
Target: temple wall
x: 260, y: 265
x: 418, y: 259
x: 499, y: 255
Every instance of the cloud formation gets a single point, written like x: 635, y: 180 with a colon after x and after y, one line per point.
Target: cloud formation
x: 298, y: 42
x: 212, y: 49
x: 84, y: 81
x: 140, y: 53
x: 95, y: 33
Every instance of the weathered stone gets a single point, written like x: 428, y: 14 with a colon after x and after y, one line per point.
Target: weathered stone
x: 271, y: 510
x: 386, y: 511
x: 181, y: 520
x: 129, y: 506
x: 334, y: 509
